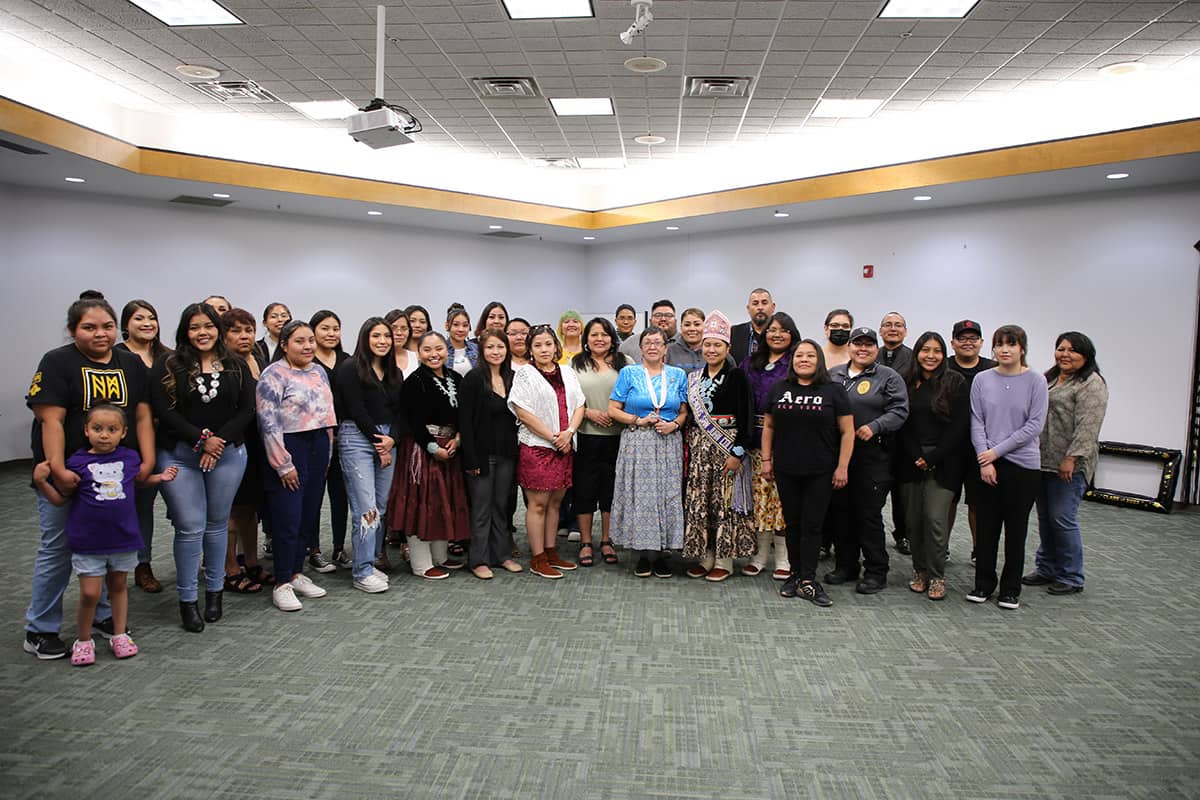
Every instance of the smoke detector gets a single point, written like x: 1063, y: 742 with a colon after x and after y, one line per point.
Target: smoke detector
x: 645, y: 64
x: 197, y: 72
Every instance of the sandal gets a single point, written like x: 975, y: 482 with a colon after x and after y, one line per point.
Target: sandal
x: 611, y: 556
x: 260, y: 575
x: 589, y: 559
x: 241, y: 583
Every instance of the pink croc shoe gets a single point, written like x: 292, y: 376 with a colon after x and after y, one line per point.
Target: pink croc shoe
x: 122, y: 646
x: 83, y: 653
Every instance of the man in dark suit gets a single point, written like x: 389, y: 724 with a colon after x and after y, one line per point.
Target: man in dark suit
x: 742, y: 338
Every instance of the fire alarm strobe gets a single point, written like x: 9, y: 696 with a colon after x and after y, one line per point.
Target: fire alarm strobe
x: 868, y: 270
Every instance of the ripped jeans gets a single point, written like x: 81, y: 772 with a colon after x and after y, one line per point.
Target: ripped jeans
x: 367, y: 486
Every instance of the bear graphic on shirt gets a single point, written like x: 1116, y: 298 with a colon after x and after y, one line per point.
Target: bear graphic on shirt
x: 107, y: 480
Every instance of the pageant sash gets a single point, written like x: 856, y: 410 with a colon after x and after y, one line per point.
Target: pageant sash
x: 742, y: 485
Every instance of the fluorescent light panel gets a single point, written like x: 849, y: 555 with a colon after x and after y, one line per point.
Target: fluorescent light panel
x: 928, y: 9
x: 326, y: 109
x: 845, y: 109
x: 187, y: 12
x: 548, y: 9
x: 601, y: 163
x: 582, y: 106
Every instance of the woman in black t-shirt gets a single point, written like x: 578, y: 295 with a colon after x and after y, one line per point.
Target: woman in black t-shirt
x: 203, y: 400
x: 327, y: 329
x: 70, y: 380
x: 807, y: 441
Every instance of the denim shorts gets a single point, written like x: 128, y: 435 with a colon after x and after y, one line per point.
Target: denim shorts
x: 99, y: 565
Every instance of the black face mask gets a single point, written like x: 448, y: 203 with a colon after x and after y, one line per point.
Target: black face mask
x: 839, y: 336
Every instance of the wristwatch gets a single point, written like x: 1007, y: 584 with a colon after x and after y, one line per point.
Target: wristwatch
x: 432, y: 448
x: 738, y: 451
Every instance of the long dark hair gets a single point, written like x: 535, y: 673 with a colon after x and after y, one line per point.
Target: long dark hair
x: 325, y: 314
x: 821, y: 376
x: 363, y: 355
x: 762, y: 355
x: 391, y: 317
x: 485, y: 369
x: 157, y: 348
x: 945, y: 382
x: 1010, y: 335
x: 582, y: 361
x: 481, y: 323
x: 1081, y: 344
x: 184, y: 364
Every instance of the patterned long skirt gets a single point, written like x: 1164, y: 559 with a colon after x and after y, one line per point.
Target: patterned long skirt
x: 435, y: 506
x: 647, y: 511
x: 710, y: 523
x: 768, y: 512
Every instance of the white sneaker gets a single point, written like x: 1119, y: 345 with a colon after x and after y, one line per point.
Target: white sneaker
x: 284, y: 598
x: 383, y: 576
x: 371, y: 584
x: 304, y: 587
x: 574, y: 536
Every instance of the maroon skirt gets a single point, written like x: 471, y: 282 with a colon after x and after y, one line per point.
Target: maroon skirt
x: 433, y: 505
x: 543, y: 469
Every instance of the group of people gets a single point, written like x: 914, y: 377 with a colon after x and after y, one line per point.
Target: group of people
x: 722, y: 441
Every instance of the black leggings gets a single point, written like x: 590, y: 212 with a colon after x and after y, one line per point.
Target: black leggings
x: 805, y: 499
x: 1004, y: 506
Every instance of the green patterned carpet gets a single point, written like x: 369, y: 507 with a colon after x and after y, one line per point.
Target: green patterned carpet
x: 604, y: 685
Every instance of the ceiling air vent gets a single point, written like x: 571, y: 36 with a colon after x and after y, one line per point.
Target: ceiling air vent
x: 562, y: 162
x: 20, y: 148
x: 236, y: 92
x: 506, y: 87
x: 192, y: 200
x: 506, y: 234
x: 717, y: 87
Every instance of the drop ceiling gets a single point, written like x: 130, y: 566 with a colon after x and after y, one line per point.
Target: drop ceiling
x: 1010, y: 73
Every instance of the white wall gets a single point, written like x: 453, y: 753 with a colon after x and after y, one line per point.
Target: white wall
x: 1119, y: 266
x: 54, y: 244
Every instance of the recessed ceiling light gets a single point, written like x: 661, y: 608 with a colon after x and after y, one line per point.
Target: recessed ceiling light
x: 548, y: 9
x: 582, y: 106
x: 495, y: 227
x: 649, y: 139
x: 374, y: 213
x: 187, y: 12
x: 220, y: 195
x: 645, y: 64
x: 75, y: 180
x: 601, y: 163
x: 198, y: 72
x: 928, y: 9
x: 846, y: 109
x: 326, y: 109
x: 781, y: 214
x: 1121, y: 69
x: 672, y: 227
x: 1112, y: 176
x: 589, y: 238
x: 922, y: 197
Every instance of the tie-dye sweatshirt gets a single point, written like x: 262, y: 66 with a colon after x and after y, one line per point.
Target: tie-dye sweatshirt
x: 290, y: 400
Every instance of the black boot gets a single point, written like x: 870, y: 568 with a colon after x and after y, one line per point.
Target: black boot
x: 212, y: 606
x: 190, y: 614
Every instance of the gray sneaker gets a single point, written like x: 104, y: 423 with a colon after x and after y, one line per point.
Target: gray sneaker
x: 320, y: 563
x: 342, y: 559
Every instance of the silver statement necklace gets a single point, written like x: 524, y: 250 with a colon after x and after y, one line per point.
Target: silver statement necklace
x: 447, y: 388
x: 707, y: 387
x: 209, y: 394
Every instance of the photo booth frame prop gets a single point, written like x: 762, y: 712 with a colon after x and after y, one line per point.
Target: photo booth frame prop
x: 1169, y: 459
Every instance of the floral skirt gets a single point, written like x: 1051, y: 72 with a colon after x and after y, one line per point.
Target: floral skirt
x: 434, y: 505
x: 768, y: 512
x: 710, y: 522
x: 647, y: 512
x: 543, y: 469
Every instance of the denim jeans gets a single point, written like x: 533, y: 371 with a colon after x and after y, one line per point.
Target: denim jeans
x: 1060, y: 555
x: 367, y: 486
x: 144, y: 502
x: 199, y: 503
x: 292, y: 513
x: 51, y: 571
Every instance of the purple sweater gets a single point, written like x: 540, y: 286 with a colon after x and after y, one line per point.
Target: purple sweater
x: 1007, y: 415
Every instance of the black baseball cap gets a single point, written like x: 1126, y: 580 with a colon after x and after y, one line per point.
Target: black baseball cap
x: 864, y: 332
x: 967, y: 326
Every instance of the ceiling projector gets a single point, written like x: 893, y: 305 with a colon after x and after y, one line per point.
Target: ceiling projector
x: 381, y: 124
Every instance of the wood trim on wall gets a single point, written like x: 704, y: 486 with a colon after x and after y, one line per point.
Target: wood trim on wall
x: 1168, y: 139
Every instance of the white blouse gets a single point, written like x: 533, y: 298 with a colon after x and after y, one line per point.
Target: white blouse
x: 534, y: 393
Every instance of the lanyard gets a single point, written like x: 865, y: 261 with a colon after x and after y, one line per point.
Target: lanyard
x: 654, y: 399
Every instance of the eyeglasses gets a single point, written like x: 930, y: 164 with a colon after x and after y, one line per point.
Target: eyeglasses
x: 967, y: 339
x: 893, y: 325
x: 663, y: 315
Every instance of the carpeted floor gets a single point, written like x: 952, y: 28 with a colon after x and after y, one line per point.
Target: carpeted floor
x: 603, y: 685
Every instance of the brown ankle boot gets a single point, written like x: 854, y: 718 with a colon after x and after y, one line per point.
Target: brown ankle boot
x: 540, y: 565
x: 143, y: 577
x: 557, y: 562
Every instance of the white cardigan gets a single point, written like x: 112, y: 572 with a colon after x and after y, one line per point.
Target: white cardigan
x: 532, y: 392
